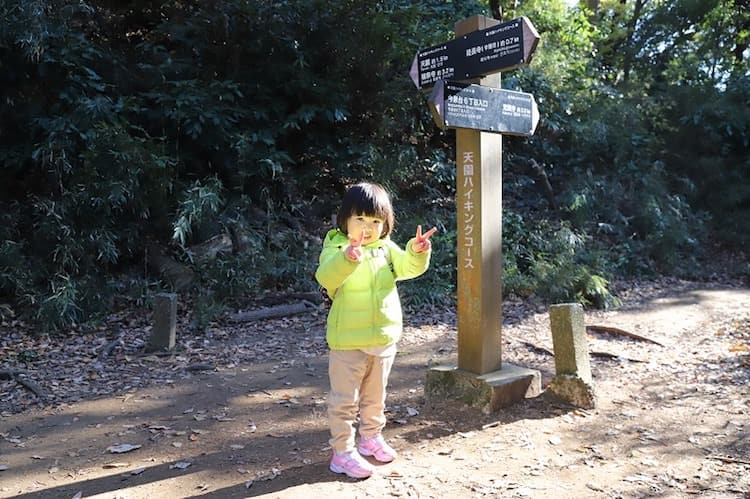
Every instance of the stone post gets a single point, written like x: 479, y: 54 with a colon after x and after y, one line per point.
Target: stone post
x: 164, y: 330
x: 573, y: 381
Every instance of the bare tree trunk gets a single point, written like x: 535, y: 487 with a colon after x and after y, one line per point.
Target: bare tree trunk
x: 627, y: 63
x: 741, y: 45
x: 593, y: 7
x: 543, y: 182
x: 496, y: 10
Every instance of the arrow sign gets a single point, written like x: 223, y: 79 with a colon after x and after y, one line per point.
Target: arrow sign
x: 462, y: 105
x: 498, y: 48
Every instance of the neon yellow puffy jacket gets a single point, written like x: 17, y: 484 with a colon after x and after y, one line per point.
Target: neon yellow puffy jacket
x: 366, y: 309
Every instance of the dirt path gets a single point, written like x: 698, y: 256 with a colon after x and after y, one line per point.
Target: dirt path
x: 672, y: 421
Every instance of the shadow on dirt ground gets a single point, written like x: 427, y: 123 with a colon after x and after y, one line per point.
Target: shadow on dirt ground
x: 671, y: 417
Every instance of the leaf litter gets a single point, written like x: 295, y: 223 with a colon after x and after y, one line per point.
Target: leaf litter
x: 714, y: 371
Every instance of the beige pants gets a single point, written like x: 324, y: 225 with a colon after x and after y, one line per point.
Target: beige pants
x: 358, y: 383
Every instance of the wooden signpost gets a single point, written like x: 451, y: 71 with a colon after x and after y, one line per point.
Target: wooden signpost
x: 497, y: 47
x: 482, y: 49
x: 463, y: 105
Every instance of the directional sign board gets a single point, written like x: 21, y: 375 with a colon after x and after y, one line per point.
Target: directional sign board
x: 498, y: 48
x: 461, y: 105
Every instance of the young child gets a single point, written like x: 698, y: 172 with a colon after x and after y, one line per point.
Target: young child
x: 359, y: 266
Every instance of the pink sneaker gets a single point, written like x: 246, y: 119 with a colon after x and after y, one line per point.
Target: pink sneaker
x: 377, y: 448
x: 351, y: 463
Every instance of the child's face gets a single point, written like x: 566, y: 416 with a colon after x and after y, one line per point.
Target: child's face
x: 371, y: 226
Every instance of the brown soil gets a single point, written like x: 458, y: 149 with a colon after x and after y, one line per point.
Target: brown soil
x: 672, y: 419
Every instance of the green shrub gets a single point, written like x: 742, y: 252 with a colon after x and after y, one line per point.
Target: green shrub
x: 552, y: 262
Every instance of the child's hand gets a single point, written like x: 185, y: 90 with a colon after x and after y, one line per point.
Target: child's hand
x: 354, y: 250
x: 422, y: 241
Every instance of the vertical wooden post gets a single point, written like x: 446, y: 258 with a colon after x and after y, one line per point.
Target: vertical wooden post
x: 480, y: 378
x: 479, y: 217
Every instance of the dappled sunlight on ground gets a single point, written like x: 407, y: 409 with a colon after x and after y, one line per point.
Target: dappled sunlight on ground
x: 239, y: 411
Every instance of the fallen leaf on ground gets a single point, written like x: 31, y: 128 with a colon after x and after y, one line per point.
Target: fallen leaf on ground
x: 275, y: 472
x: 115, y: 465
x: 121, y: 448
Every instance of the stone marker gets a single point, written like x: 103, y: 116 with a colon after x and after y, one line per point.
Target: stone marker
x: 573, y: 383
x: 165, y: 322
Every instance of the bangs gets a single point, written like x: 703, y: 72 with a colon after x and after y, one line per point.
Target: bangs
x: 375, y: 206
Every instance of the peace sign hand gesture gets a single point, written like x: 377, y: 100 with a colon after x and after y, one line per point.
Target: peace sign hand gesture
x: 422, y: 241
x: 354, y: 250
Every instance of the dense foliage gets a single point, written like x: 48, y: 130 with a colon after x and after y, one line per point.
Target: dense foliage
x: 203, y: 146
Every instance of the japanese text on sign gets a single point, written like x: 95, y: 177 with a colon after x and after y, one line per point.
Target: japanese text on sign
x: 521, y: 110
x: 467, y: 205
x: 476, y: 54
x: 467, y: 107
x: 494, y: 50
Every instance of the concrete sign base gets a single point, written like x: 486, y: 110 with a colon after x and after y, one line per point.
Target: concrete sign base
x: 487, y: 392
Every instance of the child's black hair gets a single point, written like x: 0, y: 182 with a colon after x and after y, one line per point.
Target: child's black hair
x: 367, y: 199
